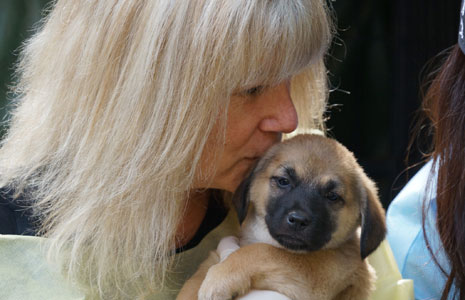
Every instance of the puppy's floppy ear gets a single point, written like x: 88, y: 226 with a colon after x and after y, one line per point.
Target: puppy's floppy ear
x: 241, y: 197
x: 373, y: 219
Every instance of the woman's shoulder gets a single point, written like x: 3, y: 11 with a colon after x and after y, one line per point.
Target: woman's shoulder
x: 26, y: 274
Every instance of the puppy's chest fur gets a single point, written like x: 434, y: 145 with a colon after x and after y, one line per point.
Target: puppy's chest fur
x: 254, y: 230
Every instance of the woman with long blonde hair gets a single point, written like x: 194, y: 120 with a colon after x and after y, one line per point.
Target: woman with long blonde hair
x: 129, y: 113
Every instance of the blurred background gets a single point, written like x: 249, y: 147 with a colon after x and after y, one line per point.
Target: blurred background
x: 375, y: 68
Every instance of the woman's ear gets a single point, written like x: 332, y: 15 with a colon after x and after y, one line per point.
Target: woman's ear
x: 241, y: 197
x: 373, y: 218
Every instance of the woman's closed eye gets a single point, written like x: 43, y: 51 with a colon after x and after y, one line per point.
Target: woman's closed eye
x: 254, y: 91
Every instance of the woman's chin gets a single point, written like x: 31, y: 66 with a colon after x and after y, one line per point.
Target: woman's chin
x: 237, y: 174
x: 229, y: 179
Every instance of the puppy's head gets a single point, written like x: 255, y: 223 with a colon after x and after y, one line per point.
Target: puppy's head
x: 310, y: 193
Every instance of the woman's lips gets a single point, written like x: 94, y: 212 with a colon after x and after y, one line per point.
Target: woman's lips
x: 252, y: 158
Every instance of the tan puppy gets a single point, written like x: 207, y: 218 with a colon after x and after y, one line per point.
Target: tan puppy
x: 301, y: 209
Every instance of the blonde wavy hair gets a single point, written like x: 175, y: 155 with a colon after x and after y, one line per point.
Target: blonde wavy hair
x: 115, y: 102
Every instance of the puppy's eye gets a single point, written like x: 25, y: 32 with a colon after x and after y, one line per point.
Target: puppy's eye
x: 282, y: 182
x: 332, y: 196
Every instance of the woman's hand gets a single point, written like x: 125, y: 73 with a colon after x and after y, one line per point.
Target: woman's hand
x: 227, y: 246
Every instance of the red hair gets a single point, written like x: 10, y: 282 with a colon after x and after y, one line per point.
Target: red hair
x: 444, y: 105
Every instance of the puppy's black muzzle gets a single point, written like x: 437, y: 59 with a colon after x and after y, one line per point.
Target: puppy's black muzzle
x: 300, y: 219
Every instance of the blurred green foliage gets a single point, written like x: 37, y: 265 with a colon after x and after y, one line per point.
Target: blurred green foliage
x: 17, y: 20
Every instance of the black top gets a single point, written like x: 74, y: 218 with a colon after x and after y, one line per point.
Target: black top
x: 16, y: 218
x: 216, y: 213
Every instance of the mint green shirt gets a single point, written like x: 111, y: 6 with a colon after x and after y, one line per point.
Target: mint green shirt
x: 25, y: 274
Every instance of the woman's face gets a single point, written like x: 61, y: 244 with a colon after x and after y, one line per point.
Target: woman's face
x: 255, y: 121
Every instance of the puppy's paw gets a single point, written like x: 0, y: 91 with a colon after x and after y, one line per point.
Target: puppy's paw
x: 219, y: 284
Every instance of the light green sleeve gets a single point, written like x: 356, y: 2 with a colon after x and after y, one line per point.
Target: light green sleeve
x: 25, y: 274
x: 389, y: 285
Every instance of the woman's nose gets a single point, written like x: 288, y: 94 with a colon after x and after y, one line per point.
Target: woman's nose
x: 281, y: 114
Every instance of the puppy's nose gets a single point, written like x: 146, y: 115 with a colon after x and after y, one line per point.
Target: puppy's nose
x: 297, y: 220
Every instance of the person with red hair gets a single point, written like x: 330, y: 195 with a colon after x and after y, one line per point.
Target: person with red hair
x: 426, y: 221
